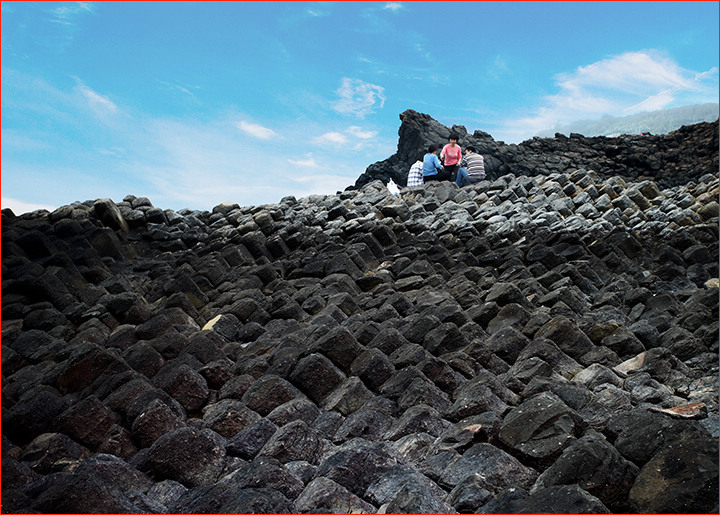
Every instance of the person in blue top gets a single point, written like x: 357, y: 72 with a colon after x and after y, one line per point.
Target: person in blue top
x: 432, y: 168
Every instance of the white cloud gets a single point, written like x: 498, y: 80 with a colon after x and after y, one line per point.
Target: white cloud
x: 320, y: 10
x: 710, y: 75
x: 168, y: 86
x: 358, y: 132
x: 393, y: 6
x: 308, y: 162
x: 19, y: 207
x: 632, y: 72
x: 331, y: 137
x: 619, y: 85
x: 255, y: 130
x: 354, y: 135
x: 653, y: 103
x: 176, y: 162
x: 65, y: 13
x: 358, y: 98
x: 100, y: 104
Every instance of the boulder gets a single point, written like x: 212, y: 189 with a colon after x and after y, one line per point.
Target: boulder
x: 34, y: 414
x: 567, y: 336
x: 190, y: 456
x: 154, y: 421
x: 340, y: 346
x: 561, y: 499
x: 679, y: 478
x: 640, y: 433
x: 51, y: 452
x: 184, y: 384
x: 357, y: 464
x: 295, y: 441
x: 248, y: 442
x: 323, y: 495
x: 317, y: 376
x: 498, y: 469
x: 71, y: 493
x: 269, y: 392
x: 228, y: 417
x: 541, y: 428
x: 592, y: 463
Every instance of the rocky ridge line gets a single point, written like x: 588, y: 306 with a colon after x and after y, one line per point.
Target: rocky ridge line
x: 525, y: 344
x: 668, y: 160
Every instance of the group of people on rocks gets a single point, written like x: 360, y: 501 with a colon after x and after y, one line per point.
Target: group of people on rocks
x: 451, y: 166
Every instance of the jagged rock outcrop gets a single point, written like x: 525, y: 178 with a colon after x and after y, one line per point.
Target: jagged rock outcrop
x: 668, y: 160
x: 527, y: 344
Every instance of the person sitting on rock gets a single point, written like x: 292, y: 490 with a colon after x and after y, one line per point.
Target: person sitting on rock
x: 432, y: 168
x: 451, y: 155
x: 472, y: 168
x: 415, y: 175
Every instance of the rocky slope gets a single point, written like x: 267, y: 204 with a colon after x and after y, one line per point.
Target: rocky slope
x: 525, y: 344
x: 668, y: 160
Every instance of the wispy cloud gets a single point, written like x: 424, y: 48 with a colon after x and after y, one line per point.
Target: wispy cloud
x: 185, y: 90
x: 66, y: 14
x: 176, y: 162
x: 619, y: 85
x: 634, y: 73
x: 393, y: 6
x: 63, y: 23
x: 331, y: 137
x: 319, y: 10
x: 202, y: 165
x: 498, y: 68
x: 100, y: 104
x: 358, y: 98
x: 353, y: 137
x: 256, y: 130
x: 359, y: 132
x: 308, y: 162
x: 652, y: 103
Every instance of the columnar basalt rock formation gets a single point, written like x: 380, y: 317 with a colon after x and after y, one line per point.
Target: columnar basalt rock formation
x: 527, y: 344
x: 668, y: 160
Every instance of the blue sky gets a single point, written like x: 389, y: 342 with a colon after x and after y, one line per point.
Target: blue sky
x: 192, y: 104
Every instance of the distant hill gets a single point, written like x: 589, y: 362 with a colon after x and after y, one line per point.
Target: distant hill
x: 655, y: 122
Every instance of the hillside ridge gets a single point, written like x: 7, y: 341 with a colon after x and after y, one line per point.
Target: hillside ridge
x: 670, y: 159
x: 528, y: 344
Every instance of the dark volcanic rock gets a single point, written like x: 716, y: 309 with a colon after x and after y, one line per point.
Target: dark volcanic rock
x: 357, y: 464
x: 541, y: 427
x: 561, y: 499
x: 192, y: 457
x: 294, y: 442
x: 51, y: 452
x: 596, y: 466
x: 34, y: 414
x: 681, y: 478
x: 269, y: 392
x: 631, y: 156
x: 324, y: 495
x: 545, y: 340
x: 498, y: 468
